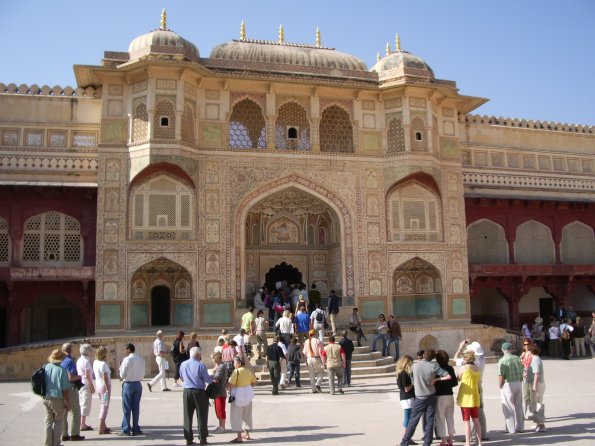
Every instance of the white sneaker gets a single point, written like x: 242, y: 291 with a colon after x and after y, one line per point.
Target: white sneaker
x: 540, y: 429
x: 219, y: 430
x: 177, y: 385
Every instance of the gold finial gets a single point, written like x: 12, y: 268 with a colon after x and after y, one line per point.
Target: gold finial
x: 387, y: 48
x: 397, y: 43
x: 242, y: 31
x: 163, y: 25
x: 281, y: 34
x: 378, y: 56
x: 318, y: 44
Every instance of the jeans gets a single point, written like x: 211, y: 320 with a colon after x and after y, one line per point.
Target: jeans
x: 383, y: 338
x: 294, y: 368
x: 421, y: 406
x: 395, y: 341
x: 347, y: 376
x: 131, y: 393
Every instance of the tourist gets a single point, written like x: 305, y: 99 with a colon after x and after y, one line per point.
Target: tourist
x: 179, y: 354
x: 294, y: 358
x: 592, y: 334
x: 56, y: 400
x: 302, y: 324
x: 241, y: 385
x: 195, y: 378
x: 425, y: 374
x: 445, y: 404
x: 283, y: 361
x: 381, y: 334
x: 258, y: 300
x: 274, y: 356
x: 315, y: 297
x: 526, y: 358
x: 405, y: 385
x: 468, y: 397
x: 355, y: 325
x: 566, y: 330
x: 312, y: 351
x: 510, y: 375
x: 394, y: 336
x: 571, y: 314
x: 333, y: 310
x: 536, y: 380
x: 132, y: 370
x: 579, y: 338
x: 333, y: 361
x: 193, y: 342
x: 284, y: 327
x: 220, y: 376
x: 538, y: 333
x: 261, y: 324
x: 348, y: 348
x: 554, y: 345
x: 103, y: 386
x: 561, y: 313
x: 84, y: 369
x: 248, y: 321
x: 240, y: 340
x: 525, y: 331
x: 160, y: 352
x: 69, y: 365
x: 317, y: 320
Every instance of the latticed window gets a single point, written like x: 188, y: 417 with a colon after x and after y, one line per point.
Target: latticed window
x: 419, y: 140
x: 52, y: 239
x: 336, y: 131
x: 414, y: 214
x: 161, y: 210
x: 395, y: 136
x: 165, y: 120
x: 4, y: 245
x: 141, y: 120
x: 292, y: 129
x: 486, y: 243
x: 247, y: 126
x: 188, y: 124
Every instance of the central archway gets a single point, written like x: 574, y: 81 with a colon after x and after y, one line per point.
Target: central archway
x: 282, y: 273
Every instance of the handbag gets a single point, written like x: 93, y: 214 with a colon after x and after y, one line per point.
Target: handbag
x: 212, y: 391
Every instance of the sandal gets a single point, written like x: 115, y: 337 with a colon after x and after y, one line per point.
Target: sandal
x: 236, y: 440
x: 107, y: 431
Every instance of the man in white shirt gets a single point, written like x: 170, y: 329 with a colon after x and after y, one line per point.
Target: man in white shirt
x: 132, y: 370
x: 160, y: 352
x: 317, y: 319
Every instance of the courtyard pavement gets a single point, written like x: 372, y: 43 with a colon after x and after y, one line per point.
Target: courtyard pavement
x: 367, y: 414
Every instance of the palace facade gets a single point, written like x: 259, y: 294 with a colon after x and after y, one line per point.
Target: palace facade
x: 167, y: 187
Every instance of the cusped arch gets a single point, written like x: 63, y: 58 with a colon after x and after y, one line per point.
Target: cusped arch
x: 247, y: 126
x: 292, y: 127
x: 317, y: 190
x: 578, y: 244
x: 534, y: 244
x: 417, y: 290
x: 4, y: 242
x: 486, y: 243
x: 336, y: 130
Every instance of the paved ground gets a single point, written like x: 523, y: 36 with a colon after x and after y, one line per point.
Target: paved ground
x: 368, y: 414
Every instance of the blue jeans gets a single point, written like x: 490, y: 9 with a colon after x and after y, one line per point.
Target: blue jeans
x: 383, y: 338
x: 347, y: 375
x: 131, y: 393
x: 396, y: 341
x: 421, y: 406
x: 293, y: 367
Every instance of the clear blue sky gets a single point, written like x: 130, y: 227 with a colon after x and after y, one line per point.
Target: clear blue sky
x: 532, y: 59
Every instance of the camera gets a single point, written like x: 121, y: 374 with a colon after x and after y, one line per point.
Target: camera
x: 231, y: 399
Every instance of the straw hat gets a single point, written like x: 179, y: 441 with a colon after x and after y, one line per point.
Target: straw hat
x: 57, y: 356
x: 539, y: 320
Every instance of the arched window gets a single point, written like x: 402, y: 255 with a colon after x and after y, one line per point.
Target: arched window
x: 419, y: 140
x: 4, y: 243
x: 578, y: 244
x: 534, y: 244
x: 161, y: 210
x: 414, y: 214
x: 486, y: 243
x: 292, y: 129
x: 165, y: 120
x: 247, y: 126
x: 395, y: 136
x: 336, y: 131
x: 140, y: 125
x: 52, y: 239
x: 188, y: 123
x: 417, y: 290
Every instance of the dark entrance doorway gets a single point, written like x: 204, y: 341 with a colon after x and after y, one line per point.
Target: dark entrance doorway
x: 3, y: 327
x: 546, y: 309
x: 282, y: 272
x: 160, y: 307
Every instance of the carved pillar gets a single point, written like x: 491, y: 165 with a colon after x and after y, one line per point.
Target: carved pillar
x: 86, y: 311
x: 513, y: 294
x: 560, y: 291
x: 270, y: 132
x: 14, y: 316
x: 315, y: 134
x: 510, y: 237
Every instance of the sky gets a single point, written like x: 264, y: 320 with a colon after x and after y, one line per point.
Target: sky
x: 532, y: 59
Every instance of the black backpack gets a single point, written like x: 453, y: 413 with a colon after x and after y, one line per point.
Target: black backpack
x: 320, y: 316
x: 38, y: 381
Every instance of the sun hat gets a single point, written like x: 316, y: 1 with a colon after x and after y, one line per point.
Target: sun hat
x: 57, y: 356
x: 539, y: 320
x: 476, y: 348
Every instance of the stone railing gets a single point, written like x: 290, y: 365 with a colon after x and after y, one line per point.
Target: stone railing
x: 525, y: 123
x: 35, y: 90
x: 503, y: 180
x: 48, y: 163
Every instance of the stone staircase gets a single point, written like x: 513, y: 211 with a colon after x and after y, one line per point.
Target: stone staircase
x: 364, y: 364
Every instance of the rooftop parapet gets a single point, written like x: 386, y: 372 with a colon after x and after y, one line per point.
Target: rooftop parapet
x: 525, y: 123
x: 46, y: 90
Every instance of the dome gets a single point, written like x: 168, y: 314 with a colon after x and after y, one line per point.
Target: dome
x: 164, y: 43
x: 400, y: 64
x: 286, y: 53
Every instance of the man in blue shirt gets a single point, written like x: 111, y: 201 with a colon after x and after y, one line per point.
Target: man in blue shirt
x: 69, y: 365
x: 195, y: 377
x: 302, y: 325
